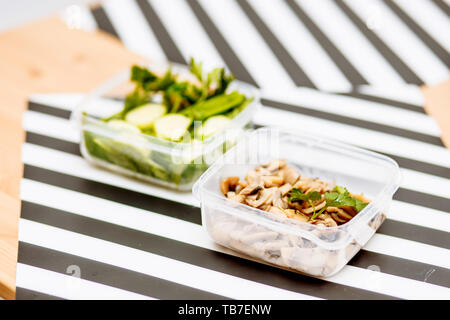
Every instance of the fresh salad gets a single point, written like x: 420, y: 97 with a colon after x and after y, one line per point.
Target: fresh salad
x: 175, y: 109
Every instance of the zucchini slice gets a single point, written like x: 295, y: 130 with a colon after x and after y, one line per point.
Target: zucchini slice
x: 213, y: 125
x: 144, y: 116
x: 123, y: 125
x: 172, y: 126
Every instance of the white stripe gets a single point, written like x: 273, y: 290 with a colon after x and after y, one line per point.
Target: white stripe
x: 430, y: 18
x: 303, y: 47
x: 339, y: 29
x: 132, y: 28
x: 65, y: 101
x: 50, y: 126
x: 392, y: 285
x: 427, y: 183
x: 149, y: 263
x: 187, y: 32
x: 378, y: 141
x: 246, y: 42
x: 190, y: 233
x: 406, y: 93
x: 356, y: 108
x: 69, y: 287
x: 401, y: 40
x: 418, y: 215
x: 407, y: 249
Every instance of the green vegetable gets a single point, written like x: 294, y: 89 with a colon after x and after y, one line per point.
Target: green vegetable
x: 123, y: 125
x: 144, y: 116
x: 213, y: 125
x: 340, y: 197
x: 214, y: 106
x: 298, y: 195
x: 172, y: 126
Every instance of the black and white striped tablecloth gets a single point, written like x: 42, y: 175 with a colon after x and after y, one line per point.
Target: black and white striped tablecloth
x: 128, y: 239
x: 87, y: 233
x: 330, y: 45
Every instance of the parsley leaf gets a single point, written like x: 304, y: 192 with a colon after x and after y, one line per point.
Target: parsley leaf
x: 298, y: 195
x: 340, y: 197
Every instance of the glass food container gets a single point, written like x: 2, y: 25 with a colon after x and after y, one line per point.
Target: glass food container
x: 311, y: 249
x: 175, y: 165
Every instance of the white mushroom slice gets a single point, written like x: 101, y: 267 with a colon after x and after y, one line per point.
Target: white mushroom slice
x: 276, y: 199
x: 235, y: 197
x: 253, y: 177
x: 341, y: 213
x: 285, y: 188
x: 251, y: 189
x: 228, y: 183
x: 272, y: 181
x: 264, y: 197
x: 274, y: 165
x: 290, y: 175
x: 329, y: 222
x: 259, y: 237
x: 337, y: 218
x: 316, y: 208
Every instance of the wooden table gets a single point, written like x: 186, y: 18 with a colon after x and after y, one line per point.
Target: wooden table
x: 48, y: 57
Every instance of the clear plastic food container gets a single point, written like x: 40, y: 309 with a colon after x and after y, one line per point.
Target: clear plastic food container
x: 311, y: 249
x: 175, y: 165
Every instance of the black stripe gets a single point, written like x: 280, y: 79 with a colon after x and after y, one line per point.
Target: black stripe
x: 415, y: 233
x: 113, y: 193
x: 108, y: 274
x: 103, y: 22
x: 26, y: 294
x: 46, y: 109
x: 194, y: 255
x: 165, y: 40
x: 355, y: 122
x: 222, y: 46
x: 53, y: 143
x: 403, y: 162
x: 390, y: 102
x: 296, y: 73
x: 423, y: 199
x: 424, y: 235
x: 420, y: 166
x: 432, y: 44
x: 401, y: 267
x: 402, y: 69
x: 443, y: 6
x: 350, y: 72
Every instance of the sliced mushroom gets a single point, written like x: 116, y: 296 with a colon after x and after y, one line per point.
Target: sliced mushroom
x: 251, y: 189
x: 350, y: 210
x: 228, y: 184
x: 277, y: 201
x: 272, y: 181
x: 263, y: 198
x: 253, y: 177
x: 235, y: 197
x: 285, y: 188
x: 341, y: 213
x: 290, y: 175
x: 337, y: 218
x: 316, y: 208
x: 274, y: 165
